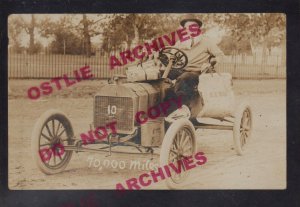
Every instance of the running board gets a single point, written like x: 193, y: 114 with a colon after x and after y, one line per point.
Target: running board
x: 82, y: 149
x: 213, y: 126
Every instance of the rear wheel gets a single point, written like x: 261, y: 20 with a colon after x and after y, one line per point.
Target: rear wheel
x: 242, y: 127
x: 51, y: 133
x: 179, y: 142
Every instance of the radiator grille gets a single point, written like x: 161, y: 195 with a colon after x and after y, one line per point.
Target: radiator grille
x: 120, y: 109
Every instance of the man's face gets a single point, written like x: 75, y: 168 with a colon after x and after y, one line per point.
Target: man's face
x: 187, y: 24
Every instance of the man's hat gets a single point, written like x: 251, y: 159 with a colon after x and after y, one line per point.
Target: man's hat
x: 188, y: 18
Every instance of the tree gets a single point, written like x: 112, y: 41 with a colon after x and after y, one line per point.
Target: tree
x: 86, y: 35
x: 19, y: 24
x: 63, y: 32
x: 91, y: 27
x: 29, y: 28
x: 230, y: 46
x: 14, y: 31
x: 266, y: 29
x: 246, y: 31
x: 134, y: 29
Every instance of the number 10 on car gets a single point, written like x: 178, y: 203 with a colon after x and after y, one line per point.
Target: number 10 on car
x: 111, y: 109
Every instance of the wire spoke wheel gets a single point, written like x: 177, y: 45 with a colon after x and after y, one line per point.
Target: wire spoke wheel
x: 56, y: 131
x: 52, y: 132
x: 245, y: 127
x: 179, y: 143
x: 242, y: 127
x: 181, y: 148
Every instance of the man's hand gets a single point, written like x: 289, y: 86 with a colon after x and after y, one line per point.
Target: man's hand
x: 170, y: 56
x: 204, y: 66
x: 213, y: 61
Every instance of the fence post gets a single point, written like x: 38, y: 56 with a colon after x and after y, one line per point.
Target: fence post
x: 26, y: 69
x: 277, y: 67
x: 261, y: 66
x: 234, y: 65
x: 254, y: 65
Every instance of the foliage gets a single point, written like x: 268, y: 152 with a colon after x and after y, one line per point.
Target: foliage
x: 63, y: 33
x: 244, y: 31
x: 14, y: 30
x: 134, y: 29
x: 230, y: 46
x: 264, y: 29
x: 16, y: 25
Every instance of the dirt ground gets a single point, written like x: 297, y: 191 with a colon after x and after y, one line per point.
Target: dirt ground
x: 263, y: 166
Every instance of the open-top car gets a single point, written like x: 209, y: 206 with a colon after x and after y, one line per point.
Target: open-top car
x: 172, y: 137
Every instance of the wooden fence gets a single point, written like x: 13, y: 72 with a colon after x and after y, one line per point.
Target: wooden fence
x: 48, y: 65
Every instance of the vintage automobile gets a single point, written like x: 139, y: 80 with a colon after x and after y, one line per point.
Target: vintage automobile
x: 145, y: 86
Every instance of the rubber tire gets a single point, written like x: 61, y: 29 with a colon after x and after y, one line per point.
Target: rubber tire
x: 236, y: 127
x: 36, y: 136
x: 168, y: 141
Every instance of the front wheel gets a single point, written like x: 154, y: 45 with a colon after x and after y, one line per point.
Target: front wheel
x: 51, y: 133
x: 179, y: 142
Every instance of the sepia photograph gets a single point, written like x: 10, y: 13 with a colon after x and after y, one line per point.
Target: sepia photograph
x: 146, y: 101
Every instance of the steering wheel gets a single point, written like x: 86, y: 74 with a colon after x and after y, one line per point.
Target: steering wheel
x: 180, y: 58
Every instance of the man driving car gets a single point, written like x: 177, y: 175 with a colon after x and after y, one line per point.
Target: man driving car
x: 201, y: 53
